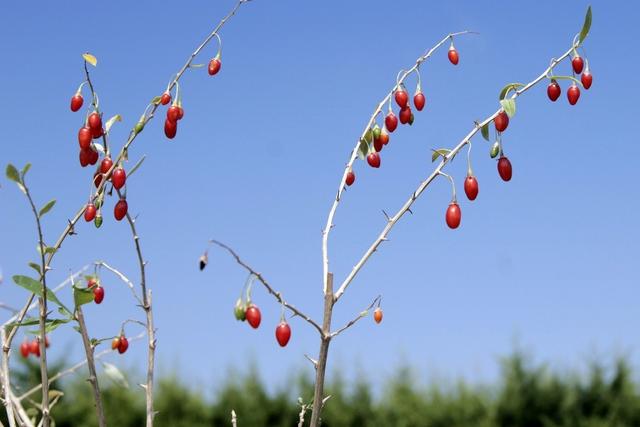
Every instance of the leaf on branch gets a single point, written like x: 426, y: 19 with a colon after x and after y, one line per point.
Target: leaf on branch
x: 137, y: 165
x: 12, y: 173
x: 25, y: 169
x: 156, y: 100
x: 485, y: 131
x: 35, y: 287
x: 511, y: 86
x: 82, y: 296
x: 46, y: 208
x: 111, y: 121
x: 585, y: 27
x: 509, y: 106
x: 363, y: 149
x: 51, y: 324
x: 115, y: 375
x: 47, y: 249
x: 438, y: 153
x: 90, y: 59
x: 35, y: 266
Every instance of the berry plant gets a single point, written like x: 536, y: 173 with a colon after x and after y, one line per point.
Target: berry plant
x: 108, y: 184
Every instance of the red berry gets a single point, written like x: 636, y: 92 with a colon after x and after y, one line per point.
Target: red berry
x: 419, y: 100
x: 471, y: 187
x: 97, y: 133
x: 84, y: 137
x: 283, y: 333
x: 93, y: 156
x: 170, y: 128
x: 405, y: 115
x: 123, y: 344
x: 165, y: 98
x: 98, y: 294
x: 377, y: 315
x: 120, y: 209
x: 377, y: 144
x: 384, y: 137
x: 95, y: 121
x: 24, y: 349
x: 573, y: 94
x: 180, y: 113
x: 577, y: 63
x: 453, y: 215
x: 34, y: 347
x: 90, y: 212
x: 105, y: 165
x: 453, y: 55
x: 46, y: 341
x: 374, y: 160
x: 97, y: 179
x: 76, y: 102
x: 391, y: 121
x: 118, y: 177
x: 91, y: 282
x: 501, y: 121
x: 172, y: 113
x: 402, y: 97
x: 253, y: 316
x: 214, y: 66
x: 84, y: 156
x: 351, y: 178
x: 553, y: 90
x: 115, y: 343
x: 586, y: 78
x: 504, y: 168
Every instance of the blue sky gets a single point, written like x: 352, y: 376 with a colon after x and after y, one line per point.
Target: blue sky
x: 547, y: 262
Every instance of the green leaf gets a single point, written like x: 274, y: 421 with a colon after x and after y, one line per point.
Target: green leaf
x: 25, y: 169
x: 156, y: 100
x: 50, y: 324
x: 505, y: 90
x: 363, y: 149
x: 585, y: 27
x: 82, y: 296
x: 485, y: 131
x: 47, y: 249
x: 90, y: 58
x: 35, y: 287
x: 136, y: 166
x: 12, y: 173
x: 509, y: 106
x: 368, y: 135
x: 46, y: 208
x: 111, y: 121
x: 115, y: 375
x: 438, y: 153
x: 36, y: 267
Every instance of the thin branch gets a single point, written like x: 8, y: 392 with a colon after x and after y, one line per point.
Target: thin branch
x: 76, y: 367
x: 123, y: 278
x: 445, y: 160
x: 91, y: 364
x: 354, y: 152
x: 267, y: 286
x: 234, y: 419
x: 362, y: 314
x: 42, y: 303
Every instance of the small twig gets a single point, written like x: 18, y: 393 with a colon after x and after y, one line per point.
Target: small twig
x: 122, y: 277
x: 362, y: 314
x: 267, y: 286
x: 234, y: 420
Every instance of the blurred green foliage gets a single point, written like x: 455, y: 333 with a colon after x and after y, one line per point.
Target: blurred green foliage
x: 525, y: 396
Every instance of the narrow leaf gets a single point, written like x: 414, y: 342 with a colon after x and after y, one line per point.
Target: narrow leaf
x: 136, y: 166
x: 485, y: 131
x: 12, y: 173
x: 25, y: 169
x: 156, y: 100
x: 505, y: 90
x: 36, y: 267
x: 115, y: 375
x: 585, y: 27
x: 509, y: 106
x: 363, y: 149
x: 111, y: 121
x: 46, y: 208
x: 439, y: 152
x: 90, y: 58
x: 35, y: 287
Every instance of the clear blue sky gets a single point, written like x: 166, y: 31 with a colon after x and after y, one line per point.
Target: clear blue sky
x: 548, y: 260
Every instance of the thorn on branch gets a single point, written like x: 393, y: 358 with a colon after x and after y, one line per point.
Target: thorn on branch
x: 386, y: 215
x: 409, y: 209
